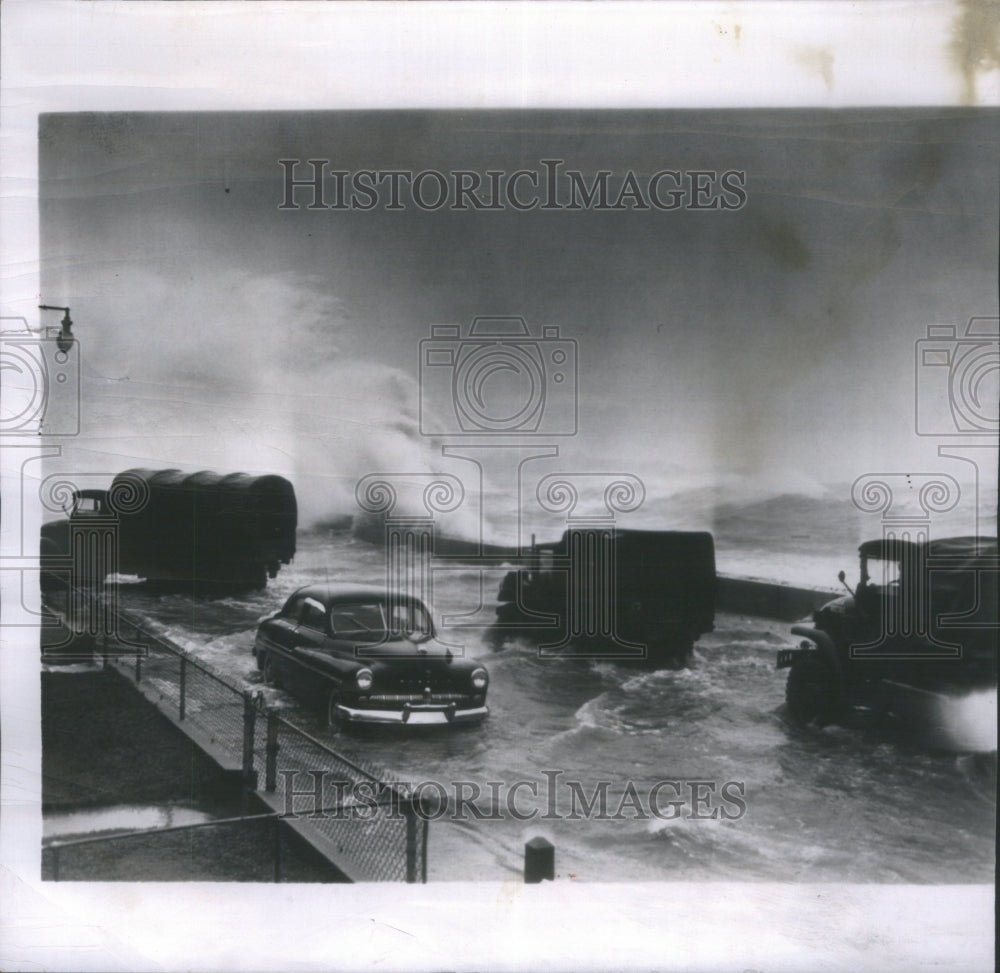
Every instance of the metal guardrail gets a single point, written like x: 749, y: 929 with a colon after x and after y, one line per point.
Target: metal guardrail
x: 360, y: 815
x: 79, y: 852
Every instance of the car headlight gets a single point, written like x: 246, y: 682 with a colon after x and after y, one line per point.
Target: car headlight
x: 480, y: 678
x: 364, y: 678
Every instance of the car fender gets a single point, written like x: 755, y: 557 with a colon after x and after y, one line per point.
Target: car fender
x: 334, y: 670
x: 824, y: 645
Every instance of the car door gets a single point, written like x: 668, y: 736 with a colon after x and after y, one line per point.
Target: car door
x: 278, y: 636
x: 307, y: 672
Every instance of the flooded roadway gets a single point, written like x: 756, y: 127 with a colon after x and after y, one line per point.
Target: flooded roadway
x: 689, y: 774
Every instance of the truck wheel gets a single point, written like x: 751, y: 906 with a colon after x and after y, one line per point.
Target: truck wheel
x: 813, y: 693
x: 495, y: 638
x: 685, y: 655
x: 508, y: 614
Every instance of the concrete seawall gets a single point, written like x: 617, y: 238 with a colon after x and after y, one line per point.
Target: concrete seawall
x: 769, y: 599
x: 121, y: 751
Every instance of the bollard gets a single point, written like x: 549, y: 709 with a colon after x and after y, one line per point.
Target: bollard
x: 539, y: 861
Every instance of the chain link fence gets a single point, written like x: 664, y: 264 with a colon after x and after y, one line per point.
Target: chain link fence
x: 357, y: 814
x: 363, y: 814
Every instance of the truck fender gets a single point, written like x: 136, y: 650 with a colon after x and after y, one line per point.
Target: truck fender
x: 824, y: 645
x: 508, y: 587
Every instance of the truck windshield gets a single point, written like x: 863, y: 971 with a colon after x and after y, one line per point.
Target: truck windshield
x: 84, y: 506
x: 882, y: 573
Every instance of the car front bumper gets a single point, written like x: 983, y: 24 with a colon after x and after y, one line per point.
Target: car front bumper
x: 414, y: 714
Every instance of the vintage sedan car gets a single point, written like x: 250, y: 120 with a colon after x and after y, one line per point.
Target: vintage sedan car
x: 369, y: 655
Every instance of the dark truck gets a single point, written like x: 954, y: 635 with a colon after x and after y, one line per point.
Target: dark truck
x: 922, y: 622
x: 207, y: 532
x: 628, y: 594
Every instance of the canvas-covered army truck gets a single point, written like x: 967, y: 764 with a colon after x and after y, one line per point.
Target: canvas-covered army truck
x: 204, y: 531
x: 640, y: 594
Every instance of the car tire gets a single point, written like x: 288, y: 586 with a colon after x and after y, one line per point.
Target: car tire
x: 334, y: 721
x: 813, y: 693
x: 267, y: 668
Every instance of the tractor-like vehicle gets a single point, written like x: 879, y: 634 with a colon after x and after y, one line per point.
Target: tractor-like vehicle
x: 920, y: 623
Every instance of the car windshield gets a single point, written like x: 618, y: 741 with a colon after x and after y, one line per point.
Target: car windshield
x: 377, y: 621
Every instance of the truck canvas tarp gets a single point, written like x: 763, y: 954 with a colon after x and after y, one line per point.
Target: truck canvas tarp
x: 207, y: 530
x: 619, y: 593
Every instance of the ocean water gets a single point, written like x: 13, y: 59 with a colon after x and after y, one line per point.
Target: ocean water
x: 700, y: 775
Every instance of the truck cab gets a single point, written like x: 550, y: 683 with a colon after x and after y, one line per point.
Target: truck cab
x: 922, y: 619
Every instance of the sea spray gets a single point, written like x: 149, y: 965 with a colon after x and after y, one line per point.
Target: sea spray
x: 968, y: 723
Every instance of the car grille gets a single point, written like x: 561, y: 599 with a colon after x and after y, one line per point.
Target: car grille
x: 417, y: 698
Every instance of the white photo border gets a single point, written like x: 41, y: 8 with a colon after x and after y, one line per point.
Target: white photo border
x: 69, y: 56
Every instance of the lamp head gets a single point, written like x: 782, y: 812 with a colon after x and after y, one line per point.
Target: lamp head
x: 65, y: 339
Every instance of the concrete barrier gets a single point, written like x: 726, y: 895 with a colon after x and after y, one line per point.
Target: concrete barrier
x: 769, y: 599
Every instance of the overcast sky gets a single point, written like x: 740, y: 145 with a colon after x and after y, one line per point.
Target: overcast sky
x: 776, y: 340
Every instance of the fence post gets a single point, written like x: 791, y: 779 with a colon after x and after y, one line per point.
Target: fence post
x: 277, y: 847
x: 425, y: 824
x: 183, y: 686
x: 271, y: 753
x: 412, y: 823
x: 249, y: 721
x: 138, y: 666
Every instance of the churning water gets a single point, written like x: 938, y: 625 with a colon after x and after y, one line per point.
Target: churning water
x: 576, y: 750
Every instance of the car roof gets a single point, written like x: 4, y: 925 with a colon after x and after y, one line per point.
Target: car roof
x: 340, y: 591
